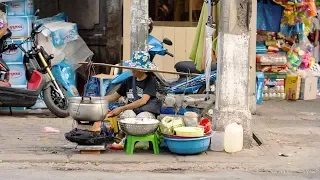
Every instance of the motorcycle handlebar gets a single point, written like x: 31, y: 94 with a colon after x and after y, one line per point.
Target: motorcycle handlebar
x: 168, y: 53
x: 35, y: 30
x: 10, y: 47
x: 8, y: 35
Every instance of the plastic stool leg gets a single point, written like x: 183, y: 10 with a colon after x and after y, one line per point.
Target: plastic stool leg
x: 130, y: 145
x: 155, y: 145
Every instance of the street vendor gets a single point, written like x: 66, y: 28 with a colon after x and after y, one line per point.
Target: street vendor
x: 140, y: 90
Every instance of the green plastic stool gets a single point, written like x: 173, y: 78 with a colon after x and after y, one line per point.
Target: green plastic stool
x: 131, y: 140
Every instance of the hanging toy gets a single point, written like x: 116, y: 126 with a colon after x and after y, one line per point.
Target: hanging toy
x: 293, y: 60
x: 312, y: 9
x: 312, y: 62
x: 306, y: 60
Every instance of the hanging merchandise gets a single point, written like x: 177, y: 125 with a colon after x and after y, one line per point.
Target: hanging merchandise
x: 290, y: 30
x: 269, y: 16
x: 300, y: 55
x: 297, y: 16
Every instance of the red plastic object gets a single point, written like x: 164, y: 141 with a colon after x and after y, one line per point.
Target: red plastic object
x: 35, y: 81
x: 116, y: 147
x: 7, y: 84
x: 206, y: 123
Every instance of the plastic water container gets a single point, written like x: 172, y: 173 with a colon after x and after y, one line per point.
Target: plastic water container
x: 191, y: 119
x: 217, y: 141
x: 233, y: 138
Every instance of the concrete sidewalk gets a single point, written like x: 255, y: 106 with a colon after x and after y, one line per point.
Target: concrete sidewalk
x: 290, y: 128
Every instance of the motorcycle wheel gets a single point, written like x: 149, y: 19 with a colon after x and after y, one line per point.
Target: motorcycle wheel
x: 57, y: 105
x: 202, y: 90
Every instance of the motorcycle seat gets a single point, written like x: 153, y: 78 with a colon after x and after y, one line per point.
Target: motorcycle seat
x: 185, y: 67
x: 190, y: 67
x: 18, y: 97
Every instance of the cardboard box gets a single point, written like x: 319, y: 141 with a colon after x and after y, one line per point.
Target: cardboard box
x: 259, y: 87
x: 17, y: 75
x: 13, y: 108
x: 20, y: 26
x: 40, y: 104
x: 61, y: 33
x: 309, y: 88
x: 15, y: 56
x: 292, y: 87
x: 20, y: 8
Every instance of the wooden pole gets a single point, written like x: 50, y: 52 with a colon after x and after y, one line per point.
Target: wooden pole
x: 142, y: 69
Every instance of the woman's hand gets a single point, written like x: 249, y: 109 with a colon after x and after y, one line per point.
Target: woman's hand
x: 115, y: 112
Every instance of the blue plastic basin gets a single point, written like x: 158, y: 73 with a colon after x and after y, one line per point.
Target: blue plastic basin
x: 188, y: 146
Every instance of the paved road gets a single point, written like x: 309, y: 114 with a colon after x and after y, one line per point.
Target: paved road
x: 49, y: 174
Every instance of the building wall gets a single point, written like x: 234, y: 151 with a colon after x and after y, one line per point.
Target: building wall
x: 182, y: 38
x: 99, y: 23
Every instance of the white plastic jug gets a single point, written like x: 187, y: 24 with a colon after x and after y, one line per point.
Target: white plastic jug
x: 233, y: 138
x: 217, y: 141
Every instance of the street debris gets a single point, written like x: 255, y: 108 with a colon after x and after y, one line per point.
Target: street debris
x: 51, y: 130
x: 284, y: 155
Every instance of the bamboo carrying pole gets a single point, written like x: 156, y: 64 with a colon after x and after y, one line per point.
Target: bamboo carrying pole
x: 142, y: 69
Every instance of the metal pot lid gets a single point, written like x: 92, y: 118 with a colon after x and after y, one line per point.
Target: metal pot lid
x: 88, y: 100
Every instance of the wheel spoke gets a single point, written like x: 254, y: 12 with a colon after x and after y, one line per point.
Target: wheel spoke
x: 60, y: 102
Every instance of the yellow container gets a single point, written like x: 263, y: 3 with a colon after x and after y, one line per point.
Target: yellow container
x: 114, y: 122
x: 292, y: 87
x: 189, y: 131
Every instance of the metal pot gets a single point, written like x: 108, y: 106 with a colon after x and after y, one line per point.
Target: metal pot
x: 88, y: 108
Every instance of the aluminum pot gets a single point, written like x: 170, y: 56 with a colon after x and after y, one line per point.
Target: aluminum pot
x: 88, y: 108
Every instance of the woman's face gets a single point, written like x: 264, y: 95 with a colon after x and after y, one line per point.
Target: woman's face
x: 136, y: 73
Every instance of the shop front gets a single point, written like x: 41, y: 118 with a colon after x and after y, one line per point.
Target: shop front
x: 287, y: 50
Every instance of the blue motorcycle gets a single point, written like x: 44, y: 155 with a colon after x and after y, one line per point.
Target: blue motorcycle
x: 182, y: 85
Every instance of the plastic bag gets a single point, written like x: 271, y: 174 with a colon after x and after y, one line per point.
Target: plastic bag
x: 58, y: 17
x: 67, y: 77
x: 72, y: 52
x: 92, y: 88
x: 300, y: 54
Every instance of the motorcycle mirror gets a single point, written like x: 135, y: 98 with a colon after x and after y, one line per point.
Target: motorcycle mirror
x: 37, y: 12
x: 167, y: 41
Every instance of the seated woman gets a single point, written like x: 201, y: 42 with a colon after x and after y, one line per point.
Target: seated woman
x: 140, y: 90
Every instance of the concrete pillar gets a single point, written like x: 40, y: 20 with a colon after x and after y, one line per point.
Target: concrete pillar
x: 113, y: 30
x: 232, y: 103
x: 139, y: 25
x: 252, y: 46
